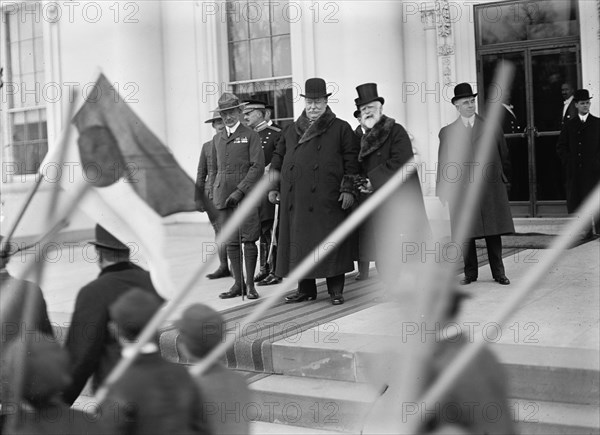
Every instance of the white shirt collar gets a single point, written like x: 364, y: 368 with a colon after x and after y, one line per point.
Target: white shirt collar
x: 127, y: 351
x: 466, y: 121
x: 566, y: 104
x: 584, y: 117
x: 232, y: 130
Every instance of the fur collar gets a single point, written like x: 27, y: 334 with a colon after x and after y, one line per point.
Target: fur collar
x: 374, y: 139
x: 308, y: 131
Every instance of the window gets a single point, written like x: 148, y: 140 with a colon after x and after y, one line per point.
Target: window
x: 25, y: 141
x: 260, y: 61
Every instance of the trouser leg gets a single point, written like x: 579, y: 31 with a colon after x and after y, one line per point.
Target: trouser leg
x: 494, y: 251
x: 470, y: 258
x: 307, y: 287
x: 335, y: 285
x: 250, y: 257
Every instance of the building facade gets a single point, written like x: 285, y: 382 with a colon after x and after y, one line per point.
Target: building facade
x: 170, y: 60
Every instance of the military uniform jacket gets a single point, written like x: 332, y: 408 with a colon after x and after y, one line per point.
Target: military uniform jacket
x: 92, y: 348
x: 269, y: 135
x: 579, y: 150
x: 238, y: 162
x: 492, y: 216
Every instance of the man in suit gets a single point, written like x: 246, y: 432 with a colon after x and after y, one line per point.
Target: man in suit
x: 257, y: 114
x: 384, y: 148
x: 569, y: 110
x: 239, y: 163
x: 204, y: 179
x: 317, y: 157
x: 93, y: 351
x: 579, y: 150
x: 492, y: 218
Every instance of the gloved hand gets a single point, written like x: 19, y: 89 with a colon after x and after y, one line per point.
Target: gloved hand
x: 347, y: 200
x: 274, y: 197
x: 234, y: 199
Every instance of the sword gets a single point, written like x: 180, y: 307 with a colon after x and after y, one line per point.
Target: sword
x: 273, y: 234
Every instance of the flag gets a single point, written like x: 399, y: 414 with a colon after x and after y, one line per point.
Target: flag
x: 114, y: 141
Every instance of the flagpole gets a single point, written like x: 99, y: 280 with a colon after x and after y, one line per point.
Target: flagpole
x: 458, y: 365
x: 335, y: 238
x: 237, y: 218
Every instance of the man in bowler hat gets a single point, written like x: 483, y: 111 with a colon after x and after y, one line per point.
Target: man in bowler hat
x: 204, y: 179
x: 239, y: 163
x: 492, y: 218
x: 579, y: 150
x: 257, y: 116
x: 93, y: 351
x: 317, y: 157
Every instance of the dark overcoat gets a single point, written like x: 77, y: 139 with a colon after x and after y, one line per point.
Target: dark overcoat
x: 317, y: 161
x: 384, y: 149
x: 92, y: 349
x: 579, y: 150
x: 204, y: 174
x: 156, y: 397
x: 269, y: 136
x: 492, y: 216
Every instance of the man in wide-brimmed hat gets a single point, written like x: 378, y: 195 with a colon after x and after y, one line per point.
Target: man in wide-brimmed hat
x: 93, y: 351
x: 239, y: 163
x: 579, y: 150
x: 384, y: 148
x: 204, y: 180
x: 317, y: 157
x: 257, y: 114
x: 492, y: 217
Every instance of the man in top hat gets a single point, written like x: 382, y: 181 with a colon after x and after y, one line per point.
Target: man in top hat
x: 384, y: 148
x: 492, y: 218
x: 93, y: 351
x: 579, y: 150
x: 257, y: 115
x: 154, y: 396
x: 201, y: 329
x: 239, y: 163
x: 317, y: 157
x: 204, y: 180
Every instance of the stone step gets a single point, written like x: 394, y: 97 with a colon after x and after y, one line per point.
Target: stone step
x: 534, y: 372
x: 264, y: 428
x: 302, y: 404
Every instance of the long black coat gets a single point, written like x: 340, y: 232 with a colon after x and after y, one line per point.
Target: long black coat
x: 317, y: 163
x: 93, y: 350
x: 579, y: 150
x: 492, y: 216
x: 384, y: 149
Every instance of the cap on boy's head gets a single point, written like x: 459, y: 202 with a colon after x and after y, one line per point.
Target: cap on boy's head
x: 46, y: 367
x: 201, y: 329
x: 133, y: 310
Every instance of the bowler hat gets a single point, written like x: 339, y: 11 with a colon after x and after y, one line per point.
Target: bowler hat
x: 367, y: 93
x: 106, y: 240
x: 315, y: 88
x: 201, y: 329
x: 133, y: 310
x: 462, y: 90
x: 211, y: 120
x: 581, y: 95
x: 228, y: 101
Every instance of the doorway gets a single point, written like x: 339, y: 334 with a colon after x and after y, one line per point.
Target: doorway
x: 545, y: 58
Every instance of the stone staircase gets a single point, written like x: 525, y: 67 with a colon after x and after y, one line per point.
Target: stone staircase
x: 323, y: 389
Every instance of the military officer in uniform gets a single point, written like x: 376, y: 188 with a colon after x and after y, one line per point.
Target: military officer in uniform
x: 257, y: 114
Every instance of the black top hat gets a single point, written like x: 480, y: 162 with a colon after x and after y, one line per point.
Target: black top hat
x: 581, y: 95
x: 106, y: 240
x: 228, y: 101
x: 315, y: 88
x: 462, y: 90
x: 367, y: 93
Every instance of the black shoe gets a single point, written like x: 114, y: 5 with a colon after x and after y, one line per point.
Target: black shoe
x: 252, y: 293
x: 270, y: 280
x: 232, y: 293
x: 262, y: 274
x: 299, y: 297
x: 219, y: 273
x: 502, y: 280
x: 467, y: 280
x: 337, y: 300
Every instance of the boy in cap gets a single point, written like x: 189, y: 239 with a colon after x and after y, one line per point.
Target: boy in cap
x: 93, y: 351
x: 40, y: 409
x: 155, y: 396
x: 201, y: 329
